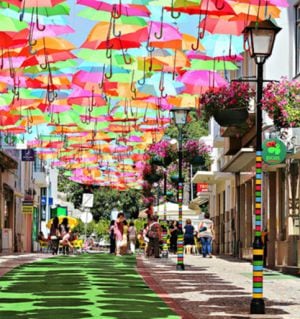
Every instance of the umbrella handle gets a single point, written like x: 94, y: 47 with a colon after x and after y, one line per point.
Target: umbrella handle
x: 110, y: 74
x: 142, y: 82
x: 160, y: 34
x: 114, y: 13
x: 132, y: 87
x: 220, y: 7
x: 124, y: 54
x: 148, y: 47
x: 38, y: 26
x: 101, y: 84
x: 173, y: 15
x: 115, y: 34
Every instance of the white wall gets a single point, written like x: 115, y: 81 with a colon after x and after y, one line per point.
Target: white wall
x: 282, y: 61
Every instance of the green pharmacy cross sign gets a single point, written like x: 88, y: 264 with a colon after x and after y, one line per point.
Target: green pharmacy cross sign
x: 274, y: 151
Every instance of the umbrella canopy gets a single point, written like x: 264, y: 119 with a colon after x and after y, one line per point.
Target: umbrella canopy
x: 72, y: 221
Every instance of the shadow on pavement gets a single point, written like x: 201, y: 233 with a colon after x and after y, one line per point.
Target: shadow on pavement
x: 204, y: 294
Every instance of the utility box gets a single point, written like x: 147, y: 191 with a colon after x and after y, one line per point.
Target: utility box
x: 7, y: 244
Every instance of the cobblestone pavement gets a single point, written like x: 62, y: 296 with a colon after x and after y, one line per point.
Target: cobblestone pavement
x: 219, y: 288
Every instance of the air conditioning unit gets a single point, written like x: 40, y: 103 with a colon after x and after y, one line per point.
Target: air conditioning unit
x: 7, y: 244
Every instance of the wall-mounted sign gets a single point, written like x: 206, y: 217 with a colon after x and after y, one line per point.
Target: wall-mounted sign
x: 202, y: 187
x: 44, y: 201
x: 28, y: 155
x: 27, y: 207
x: 273, y: 151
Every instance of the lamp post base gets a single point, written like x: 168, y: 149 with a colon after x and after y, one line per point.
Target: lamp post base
x: 180, y: 267
x: 257, y: 306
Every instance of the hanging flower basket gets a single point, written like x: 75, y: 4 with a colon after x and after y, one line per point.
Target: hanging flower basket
x: 231, y: 117
x: 195, y: 152
x: 162, y: 153
x: 197, y: 160
x: 282, y: 103
x: 161, y: 161
x: 228, y: 104
x: 174, y: 178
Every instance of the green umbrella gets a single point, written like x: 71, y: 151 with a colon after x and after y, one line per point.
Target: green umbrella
x: 11, y: 24
x: 212, y: 65
x: 92, y: 14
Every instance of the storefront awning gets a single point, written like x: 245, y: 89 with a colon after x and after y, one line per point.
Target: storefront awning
x: 241, y: 162
x: 209, y: 177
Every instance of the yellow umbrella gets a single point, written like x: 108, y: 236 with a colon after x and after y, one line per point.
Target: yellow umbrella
x: 71, y: 221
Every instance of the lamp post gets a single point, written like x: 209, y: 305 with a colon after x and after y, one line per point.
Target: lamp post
x: 180, y: 118
x: 260, y: 37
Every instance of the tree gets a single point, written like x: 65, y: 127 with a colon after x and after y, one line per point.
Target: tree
x: 105, y: 198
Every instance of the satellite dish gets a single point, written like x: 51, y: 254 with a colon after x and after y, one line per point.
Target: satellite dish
x: 86, y: 217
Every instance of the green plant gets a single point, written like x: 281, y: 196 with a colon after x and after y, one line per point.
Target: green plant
x: 282, y: 102
x: 236, y: 95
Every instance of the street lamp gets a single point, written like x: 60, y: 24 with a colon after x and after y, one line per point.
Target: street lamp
x: 180, y: 116
x: 260, y: 37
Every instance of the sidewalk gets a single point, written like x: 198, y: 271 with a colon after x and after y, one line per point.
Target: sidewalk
x: 219, y: 288
x: 8, y: 262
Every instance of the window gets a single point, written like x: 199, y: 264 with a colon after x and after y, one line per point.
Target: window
x: 297, y: 53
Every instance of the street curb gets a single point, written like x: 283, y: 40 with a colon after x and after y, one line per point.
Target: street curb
x: 154, y: 285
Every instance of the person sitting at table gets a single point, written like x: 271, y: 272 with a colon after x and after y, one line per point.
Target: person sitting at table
x: 43, y: 241
x: 65, y: 232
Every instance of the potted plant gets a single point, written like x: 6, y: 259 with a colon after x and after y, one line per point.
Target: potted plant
x: 195, y: 152
x: 150, y: 174
x: 281, y: 100
x: 162, y: 153
x: 227, y: 104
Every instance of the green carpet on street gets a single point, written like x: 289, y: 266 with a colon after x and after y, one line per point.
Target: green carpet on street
x: 79, y: 287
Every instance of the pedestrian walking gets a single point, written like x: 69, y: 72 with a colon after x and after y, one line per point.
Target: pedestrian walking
x: 173, y: 236
x: 188, y: 236
x: 55, y: 235
x: 112, y: 239
x: 124, y: 247
x: 118, y: 231
x: 154, y: 234
x: 206, y: 235
x: 132, y: 237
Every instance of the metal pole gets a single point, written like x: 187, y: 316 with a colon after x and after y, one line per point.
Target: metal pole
x: 257, y: 303
x: 180, y: 260
x: 165, y: 194
x: 165, y: 252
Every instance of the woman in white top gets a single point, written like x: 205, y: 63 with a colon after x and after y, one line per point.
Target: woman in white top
x: 206, y: 234
x: 132, y: 237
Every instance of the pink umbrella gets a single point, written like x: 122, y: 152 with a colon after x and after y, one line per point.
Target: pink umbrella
x: 123, y: 9
x: 200, y: 81
x: 169, y: 32
x: 222, y: 26
x: 51, y: 31
x: 278, y: 3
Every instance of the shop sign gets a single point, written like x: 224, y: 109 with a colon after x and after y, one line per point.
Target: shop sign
x: 202, y: 187
x: 28, y: 155
x: 273, y: 151
x: 27, y: 207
